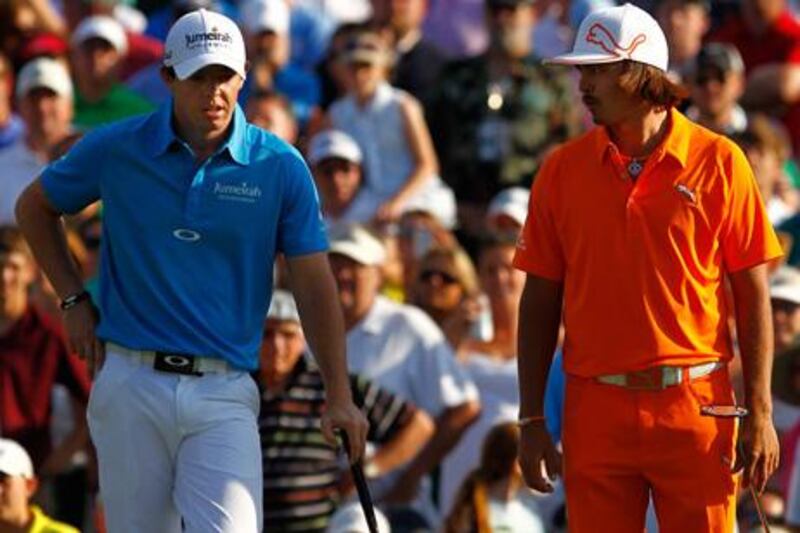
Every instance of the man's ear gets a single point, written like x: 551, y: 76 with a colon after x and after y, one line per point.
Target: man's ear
x: 168, y: 75
x: 32, y: 485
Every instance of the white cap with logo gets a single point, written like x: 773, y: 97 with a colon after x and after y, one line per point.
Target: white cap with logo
x: 14, y: 460
x: 616, y: 34
x: 47, y: 73
x: 203, y: 38
x: 265, y: 15
x: 101, y: 27
x: 333, y: 143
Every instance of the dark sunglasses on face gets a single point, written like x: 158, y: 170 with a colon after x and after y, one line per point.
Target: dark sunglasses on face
x: 428, y: 275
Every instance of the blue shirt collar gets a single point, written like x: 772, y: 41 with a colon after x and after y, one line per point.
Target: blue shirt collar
x: 164, y: 136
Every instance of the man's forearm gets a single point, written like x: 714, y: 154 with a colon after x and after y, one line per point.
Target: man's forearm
x: 404, y: 444
x: 754, y: 332
x: 315, y: 292
x: 44, y: 232
x: 540, y: 318
x: 450, y: 426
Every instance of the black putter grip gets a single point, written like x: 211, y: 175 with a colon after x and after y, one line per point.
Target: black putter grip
x: 361, y: 486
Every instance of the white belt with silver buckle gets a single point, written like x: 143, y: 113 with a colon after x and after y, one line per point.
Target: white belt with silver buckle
x: 148, y: 357
x: 670, y: 375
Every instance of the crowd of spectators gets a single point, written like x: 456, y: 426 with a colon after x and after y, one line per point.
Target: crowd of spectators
x: 424, y: 123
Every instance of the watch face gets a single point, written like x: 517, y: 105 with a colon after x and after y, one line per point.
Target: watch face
x: 723, y: 411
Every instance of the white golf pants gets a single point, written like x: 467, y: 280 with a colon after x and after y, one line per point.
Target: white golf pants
x: 176, y: 451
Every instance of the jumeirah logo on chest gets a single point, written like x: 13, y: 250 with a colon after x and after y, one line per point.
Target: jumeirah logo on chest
x: 237, y: 192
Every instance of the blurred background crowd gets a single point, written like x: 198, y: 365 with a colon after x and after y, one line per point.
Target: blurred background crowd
x: 424, y: 123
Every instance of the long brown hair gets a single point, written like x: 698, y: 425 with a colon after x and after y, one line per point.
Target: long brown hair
x: 498, y: 461
x: 652, y: 84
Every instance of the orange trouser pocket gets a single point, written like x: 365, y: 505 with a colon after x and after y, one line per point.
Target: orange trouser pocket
x: 622, y: 447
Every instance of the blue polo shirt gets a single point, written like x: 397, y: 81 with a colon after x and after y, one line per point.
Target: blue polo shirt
x: 187, y: 247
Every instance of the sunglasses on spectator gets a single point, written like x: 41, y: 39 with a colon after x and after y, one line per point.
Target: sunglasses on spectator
x: 428, y: 275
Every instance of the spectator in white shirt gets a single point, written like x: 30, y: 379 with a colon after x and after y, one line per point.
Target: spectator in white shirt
x: 44, y: 100
x: 400, y: 348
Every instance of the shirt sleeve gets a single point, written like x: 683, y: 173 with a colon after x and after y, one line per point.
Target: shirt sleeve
x: 73, y: 181
x: 301, y: 229
x: 386, y: 412
x: 747, y: 238
x: 539, y: 249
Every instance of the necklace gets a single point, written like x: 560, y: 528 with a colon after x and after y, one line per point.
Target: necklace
x: 635, y: 167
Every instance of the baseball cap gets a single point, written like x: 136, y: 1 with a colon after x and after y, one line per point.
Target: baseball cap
x: 265, y: 15
x: 101, y: 27
x: 44, y: 72
x: 357, y: 243
x: 719, y: 56
x: 785, y: 285
x: 349, y: 518
x: 14, y: 460
x: 283, y: 306
x: 512, y: 202
x: 43, y: 44
x: 366, y: 47
x: 203, y: 38
x: 436, y: 200
x: 333, y: 143
x: 615, y: 34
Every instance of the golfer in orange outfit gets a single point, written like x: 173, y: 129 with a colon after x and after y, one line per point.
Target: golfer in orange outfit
x: 631, y: 230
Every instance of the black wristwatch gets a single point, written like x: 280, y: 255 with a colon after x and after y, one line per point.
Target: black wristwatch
x: 74, y: 299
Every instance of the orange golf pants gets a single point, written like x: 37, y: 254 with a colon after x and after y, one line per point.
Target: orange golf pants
x: 624, y: 446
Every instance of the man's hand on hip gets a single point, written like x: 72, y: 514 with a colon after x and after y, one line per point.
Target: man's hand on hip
x: 535, y: 446
x: 80, y: 322
x: 345, y: 416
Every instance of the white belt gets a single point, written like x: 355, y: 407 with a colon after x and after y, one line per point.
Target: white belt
x: 659, y: 377
x: 199, y: 364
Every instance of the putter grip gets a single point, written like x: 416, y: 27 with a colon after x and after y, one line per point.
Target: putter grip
x: 361, y: 486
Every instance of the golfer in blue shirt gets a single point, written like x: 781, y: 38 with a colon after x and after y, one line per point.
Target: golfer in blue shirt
x: 196, y: 204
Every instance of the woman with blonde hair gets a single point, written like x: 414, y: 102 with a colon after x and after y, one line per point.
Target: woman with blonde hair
x: 447, y: 288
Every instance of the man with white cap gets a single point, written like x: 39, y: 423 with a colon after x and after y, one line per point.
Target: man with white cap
x: 400, y: 348
x: 291, y: 406
x: 335, y: 160
x: 196, y: 205
x: 44, y: 100
x: 18, y: 485
x: 266, y: 31
x: 632, y: 229
x: 98, y: 49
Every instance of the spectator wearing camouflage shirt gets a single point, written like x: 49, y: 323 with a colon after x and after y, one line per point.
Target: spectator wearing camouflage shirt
x: 495, y: 115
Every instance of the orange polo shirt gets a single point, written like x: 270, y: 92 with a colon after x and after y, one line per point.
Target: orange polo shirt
x: 642, y: 263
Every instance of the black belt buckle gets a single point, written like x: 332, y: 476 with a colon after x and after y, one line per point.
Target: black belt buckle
x: 176, y: 363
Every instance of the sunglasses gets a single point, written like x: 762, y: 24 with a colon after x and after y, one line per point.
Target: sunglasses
x: 428, y: 275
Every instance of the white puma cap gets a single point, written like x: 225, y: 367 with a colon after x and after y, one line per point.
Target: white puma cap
x: 615, y: 34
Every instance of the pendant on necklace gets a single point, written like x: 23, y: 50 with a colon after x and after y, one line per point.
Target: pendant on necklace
x: 635, y: 168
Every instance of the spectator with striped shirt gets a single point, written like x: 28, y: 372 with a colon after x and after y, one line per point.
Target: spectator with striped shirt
x: 302, y: 472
